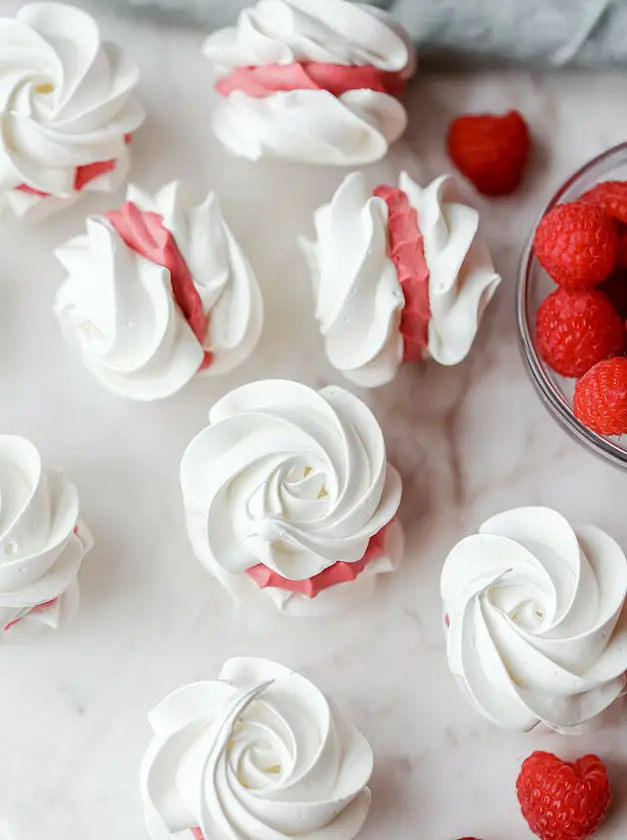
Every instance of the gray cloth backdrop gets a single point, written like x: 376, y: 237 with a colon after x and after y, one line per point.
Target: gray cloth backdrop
x: 549, y: 33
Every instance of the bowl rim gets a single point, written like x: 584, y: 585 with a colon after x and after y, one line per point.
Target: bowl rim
x: 549, y: 394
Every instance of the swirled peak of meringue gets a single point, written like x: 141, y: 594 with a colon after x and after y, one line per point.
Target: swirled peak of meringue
x: 462, y: 278
x: 119, y: 309
x: 65, y: 100
x: 311, y: 124
x: 537, y: 630
x: 359, y: 300
x: 42, y: 541
x: 222, y: 275
x: 260, y: 752
x: 355, y: 263
x: 287, y: 476
x: 324, y: 31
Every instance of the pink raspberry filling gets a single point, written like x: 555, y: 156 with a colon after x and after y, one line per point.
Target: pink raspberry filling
x: 407, y: 254
x: 337, y: 79
x: 83, y: 175
x: 340, y: 572
x: 197, y: 834
x: 145, y: 234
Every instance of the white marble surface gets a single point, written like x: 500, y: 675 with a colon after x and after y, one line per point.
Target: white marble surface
x: 469, y: 441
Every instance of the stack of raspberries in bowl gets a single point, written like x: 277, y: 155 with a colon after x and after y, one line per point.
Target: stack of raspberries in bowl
x: 572, y: 304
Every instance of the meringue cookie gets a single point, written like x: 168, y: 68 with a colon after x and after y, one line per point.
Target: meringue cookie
x: 293, y: 480
x: 537, y: 631
x: 398, y: 275
x: 42, y: 541
x: 311, y: 80
x: 260, y: 752
x: 157, y: 292
x: 66, y: 110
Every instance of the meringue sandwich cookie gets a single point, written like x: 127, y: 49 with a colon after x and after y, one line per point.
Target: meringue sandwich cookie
x: 42, y: 541
x: 157, y: 292
x: 399, y: 275
x: 316, y: 81
x: 537, y: 627
x: 289, y: 490
x: 258, y: 753
x: 66, y: 109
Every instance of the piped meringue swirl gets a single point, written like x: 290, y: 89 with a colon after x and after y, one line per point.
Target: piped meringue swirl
x: 537, y: 630
x: 260, y: 752
x: 158, y: 291
x: 289, y: 477
x: 66, y: 109
x: 399, y: 274
x: 42, y: 540
x: 296, y: 89
x: 462, y: 279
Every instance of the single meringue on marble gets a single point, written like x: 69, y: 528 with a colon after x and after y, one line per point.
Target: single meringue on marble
x: 537, y: 632
x: 66, y: 110
x: 258, y: 753
x: 157, y: 292
x: 316, y: 81
x: 399, y: 274
x: 42, y: 541
x: 289, y: 490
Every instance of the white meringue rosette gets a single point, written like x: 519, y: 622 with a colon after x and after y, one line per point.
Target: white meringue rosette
x: 66, y: 105
x: 118, y: 307
x: 42, y: 541
x: 359, y: 298
x: 537, y: 631
x: 294, y: 482
x: 312, y: 125
x: 258, y: 753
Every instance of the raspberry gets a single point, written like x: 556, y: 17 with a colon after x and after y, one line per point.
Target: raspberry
x: 611, y: 197
x: 600, y: 400
x: 576, y: 244
x: 490, y: 150
x: 563, y: 800
x: 575, y: 330
x: 615, y: 287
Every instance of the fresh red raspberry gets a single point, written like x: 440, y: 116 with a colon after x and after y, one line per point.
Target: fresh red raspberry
x: 575, y: 330
x: 615, y: 287
x: 563, y: 800
x: 576, y: 244
x: 490, y: 150
x: 611, y: 197
x: 600, y: 400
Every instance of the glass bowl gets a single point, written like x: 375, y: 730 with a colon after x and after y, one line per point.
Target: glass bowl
x: 534, y: 285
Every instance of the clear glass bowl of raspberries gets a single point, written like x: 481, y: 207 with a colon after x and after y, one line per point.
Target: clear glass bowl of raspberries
x: 572, y: 305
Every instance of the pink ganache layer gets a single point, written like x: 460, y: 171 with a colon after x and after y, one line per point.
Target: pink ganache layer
x: 145, y: 233
x: 408, y: 255
x: 83, y: 175
x: 267, y: 79
x: 340, y: 572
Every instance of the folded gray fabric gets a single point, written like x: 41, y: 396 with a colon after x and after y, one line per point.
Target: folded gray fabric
x: 586, y: 33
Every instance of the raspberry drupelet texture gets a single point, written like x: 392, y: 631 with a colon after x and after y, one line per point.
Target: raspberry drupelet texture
x: 575, y: 330
x: 576, y: 244
x: 600, y: 400
x: 563, y: 800
x: 611, y: 197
